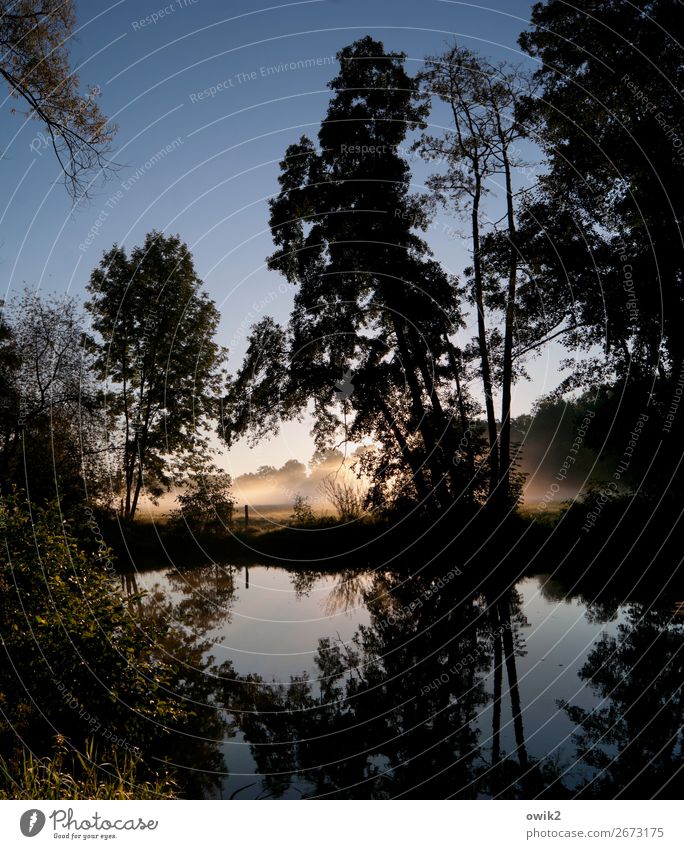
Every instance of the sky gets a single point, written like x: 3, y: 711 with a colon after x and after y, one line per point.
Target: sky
x: 206, y: 102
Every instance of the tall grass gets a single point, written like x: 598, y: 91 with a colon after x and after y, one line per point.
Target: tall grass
x: 72, y: 775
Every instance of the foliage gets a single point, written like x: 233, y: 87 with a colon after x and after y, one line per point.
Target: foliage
x: 35, y: 64
x: 368, y: 341
x: 345, y: 497
x: 158, y: 357
x: 51, y: 441
x: 302, y: 514
x: 77, y: 661
x: 372, y: 693
x: 633, y: 735
x: 619, y: 130
x: 206, y: 503
x: 478, y: 149
x: 607, y: 217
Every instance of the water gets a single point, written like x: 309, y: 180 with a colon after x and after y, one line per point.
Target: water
x: 360, y: 685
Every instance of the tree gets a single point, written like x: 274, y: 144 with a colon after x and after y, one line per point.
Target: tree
x: 35, y: 64
x: 51, y: 436
x: 613, y: 135
x: 401, y: 703
x: 158, y: 357
x: 632, y: 738
x: 481, y: 144
x: 368, y: 340
x: 302, y: 512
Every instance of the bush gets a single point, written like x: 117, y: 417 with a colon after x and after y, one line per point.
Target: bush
x: 345, y: 498
x: 302, y: 514
x: 206, y: 503
x: 83, y: 663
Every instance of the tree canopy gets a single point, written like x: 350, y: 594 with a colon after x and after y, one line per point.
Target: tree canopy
x: 159, y: 361
x: 35, y: 64
x: 604, y: 232
x: 369, y: 342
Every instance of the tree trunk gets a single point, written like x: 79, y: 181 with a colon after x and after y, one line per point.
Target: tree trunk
x: 129, y: 470
x: 134, y: 503
x: 496, y: 707
x: 136, y: 494
x: 513, y: 689
x: 465, y: 424
x: 505, y: 436
x: 414, y: 462
x: 446, y: 442
x: 482, y: 341
x: 419, y: 412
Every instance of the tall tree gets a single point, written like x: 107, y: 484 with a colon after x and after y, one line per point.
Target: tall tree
x: 35, y: 64
x: 159, y: 357
x: 368, y: 339
x: 609, y: 116
x: 479, y: 147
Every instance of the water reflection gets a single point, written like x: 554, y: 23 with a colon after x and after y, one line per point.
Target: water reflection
x: 176, y: 625
x: 633, y: 738
x: 361, y: 685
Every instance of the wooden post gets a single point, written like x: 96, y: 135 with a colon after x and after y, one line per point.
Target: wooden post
x: 246, y: 515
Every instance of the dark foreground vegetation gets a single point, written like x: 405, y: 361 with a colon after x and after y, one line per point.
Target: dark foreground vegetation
x: 592, y: 539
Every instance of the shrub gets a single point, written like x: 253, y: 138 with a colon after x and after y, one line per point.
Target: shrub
x: 84, y: 663
x: 302, y: 514
x: 206, y: 503
x: 345, y: 498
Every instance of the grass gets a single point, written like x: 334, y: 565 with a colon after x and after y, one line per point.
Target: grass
x: 78, y: 776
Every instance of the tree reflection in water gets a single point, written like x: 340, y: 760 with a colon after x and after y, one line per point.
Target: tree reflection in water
x: 206, y: 595
x: 398, y: 710
x: 394, y: 712
x: 633, y: 739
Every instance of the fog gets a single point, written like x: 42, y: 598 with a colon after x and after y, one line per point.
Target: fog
x: 278, y: 487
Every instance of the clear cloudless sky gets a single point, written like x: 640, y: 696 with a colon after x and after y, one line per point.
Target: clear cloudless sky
x: 203, y: 161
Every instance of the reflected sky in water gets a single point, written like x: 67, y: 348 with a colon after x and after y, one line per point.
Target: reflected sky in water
x: 492, y: 695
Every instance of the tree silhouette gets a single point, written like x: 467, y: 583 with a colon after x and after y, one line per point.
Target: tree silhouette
x: 605, y: 228
x: 158, y: 358
x: 393, y: 712
x: 632, y: 739
x: 373, y: 312
x: 480, y: 145
x: 52, y: 435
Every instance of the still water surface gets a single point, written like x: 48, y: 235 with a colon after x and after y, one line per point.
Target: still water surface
x: 357, y: 685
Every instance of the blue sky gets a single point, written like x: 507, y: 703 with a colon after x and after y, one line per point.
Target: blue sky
x: 206, y: 103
